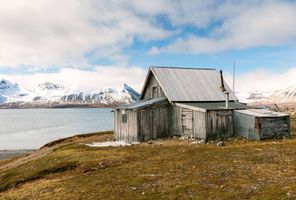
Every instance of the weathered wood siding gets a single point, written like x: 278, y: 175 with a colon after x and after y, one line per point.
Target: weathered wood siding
x: 175, y: 120
x: 219, y: 124
x: 188, y: 123
x: 187, y: 120
x: 152, y: 88
x: 153, y: 122
x: 199, y: 125
x: 165, y: 120
x: 116, y: 131
x: 125, y: 131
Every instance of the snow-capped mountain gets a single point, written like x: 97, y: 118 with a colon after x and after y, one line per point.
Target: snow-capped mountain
x: 47, y: 93
x: 285, y: 95
x: 10, y: 91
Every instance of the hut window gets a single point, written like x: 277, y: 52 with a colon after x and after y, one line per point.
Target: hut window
x: 124, y: 118
x: 154, y: 91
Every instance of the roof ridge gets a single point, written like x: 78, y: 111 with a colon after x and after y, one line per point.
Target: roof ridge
x: 195, y: 68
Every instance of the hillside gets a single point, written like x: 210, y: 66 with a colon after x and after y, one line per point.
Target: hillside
x: 163, y: 169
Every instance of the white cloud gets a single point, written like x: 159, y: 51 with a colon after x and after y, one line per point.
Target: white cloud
x: 60, y: 33
x: 262, y: 80
x: 47, y: 32
x: 111, y: 76
x: 269, y: 23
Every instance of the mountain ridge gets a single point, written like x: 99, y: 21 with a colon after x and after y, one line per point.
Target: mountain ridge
x: 283, y: 95
x: 48, y: 94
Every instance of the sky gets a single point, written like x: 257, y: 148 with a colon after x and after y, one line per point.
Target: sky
x: 105, y: 43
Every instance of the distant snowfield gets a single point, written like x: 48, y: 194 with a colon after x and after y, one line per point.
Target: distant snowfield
x: 284, y: 95
x: 112, y: 144
x: 48, y: 92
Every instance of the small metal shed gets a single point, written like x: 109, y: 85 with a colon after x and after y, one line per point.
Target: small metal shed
x: 258, y: 124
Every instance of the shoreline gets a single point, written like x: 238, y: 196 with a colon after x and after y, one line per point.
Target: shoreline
x: 6, y: 154
x: 56, y: 106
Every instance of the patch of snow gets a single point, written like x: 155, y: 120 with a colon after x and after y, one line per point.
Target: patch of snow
x: 112, y: 144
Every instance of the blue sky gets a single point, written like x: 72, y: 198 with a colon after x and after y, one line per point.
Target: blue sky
x: 69, y: 41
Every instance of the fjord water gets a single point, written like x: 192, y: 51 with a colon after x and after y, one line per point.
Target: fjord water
x: 32, y: 128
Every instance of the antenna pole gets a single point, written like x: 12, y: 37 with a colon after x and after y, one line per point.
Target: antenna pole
x: 233, y: 79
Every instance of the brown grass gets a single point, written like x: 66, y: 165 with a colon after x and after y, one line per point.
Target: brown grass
x: 165, y: 169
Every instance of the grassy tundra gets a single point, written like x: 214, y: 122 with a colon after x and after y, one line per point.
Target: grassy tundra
x: 164, y: 169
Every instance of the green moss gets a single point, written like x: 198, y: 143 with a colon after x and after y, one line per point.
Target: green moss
x: 37, y: 170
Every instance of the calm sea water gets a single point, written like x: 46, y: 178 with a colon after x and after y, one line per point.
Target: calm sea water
x: 32, y: 128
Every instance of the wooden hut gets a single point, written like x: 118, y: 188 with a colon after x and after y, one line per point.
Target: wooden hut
x: 189, y: 102
x: 258, y: 124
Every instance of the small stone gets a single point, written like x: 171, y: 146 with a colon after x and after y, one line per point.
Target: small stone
x: 288, y: 194
x: 134, y: 188
x: 220, y: 143
x: 149, y: 142
x: 202, y: 141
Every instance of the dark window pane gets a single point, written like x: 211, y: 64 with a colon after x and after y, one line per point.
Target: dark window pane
x: 124, y: 118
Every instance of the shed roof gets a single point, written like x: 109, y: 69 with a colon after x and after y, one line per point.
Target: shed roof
x: 214, y: 106
x: 190, y: 84
x: 142, y: 103
x: 262, y: 113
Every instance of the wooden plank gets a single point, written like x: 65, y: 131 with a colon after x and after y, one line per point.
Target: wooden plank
x: 152, y: 88
x: 187, y: 122
x: 219, y: 124
x: 199, y: 125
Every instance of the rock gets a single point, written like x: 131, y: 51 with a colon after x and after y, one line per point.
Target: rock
x: 220, y: 143
x: 149, y: 142
x: 288, y: 194
x: 202, y: 141
x: 184, y: 138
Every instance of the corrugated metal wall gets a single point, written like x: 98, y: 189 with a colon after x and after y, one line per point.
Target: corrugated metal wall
x: 256, y: 128
x: 244, y: 126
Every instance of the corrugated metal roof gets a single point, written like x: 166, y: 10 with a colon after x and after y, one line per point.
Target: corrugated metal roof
x: 191, y: 84
x: 262, y: 113
x: 216, y: 105
x: 141, y: 103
